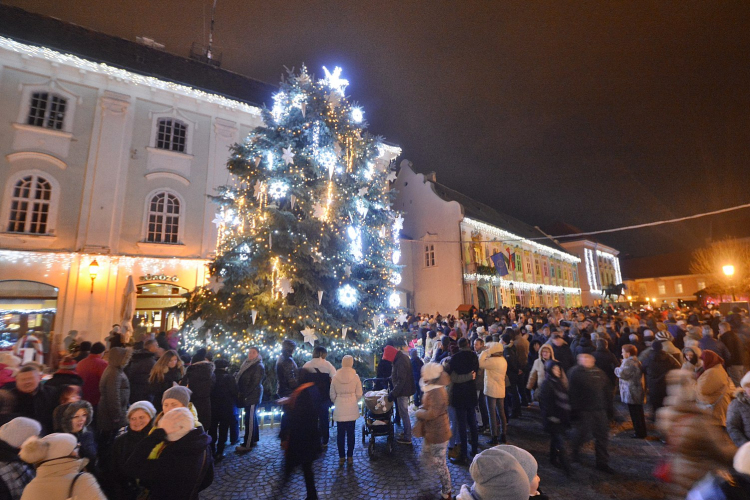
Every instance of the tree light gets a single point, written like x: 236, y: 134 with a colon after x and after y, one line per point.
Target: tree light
x: 394, y: 300
x: 347, y: 296
x: 357, y: 115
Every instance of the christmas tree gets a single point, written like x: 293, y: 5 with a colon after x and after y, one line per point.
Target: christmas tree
x: 307, y: 241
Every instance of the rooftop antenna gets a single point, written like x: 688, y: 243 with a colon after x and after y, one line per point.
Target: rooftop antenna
x: 211, y: 32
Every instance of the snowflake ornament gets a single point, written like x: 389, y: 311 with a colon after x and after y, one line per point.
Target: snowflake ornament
x: 277, y: 189
x: 288, y: 156
x: 319, y: 211
x: 310, y: 336
x: 285, y: 286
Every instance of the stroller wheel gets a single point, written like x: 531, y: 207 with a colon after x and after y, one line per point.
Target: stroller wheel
x: 364, y: 433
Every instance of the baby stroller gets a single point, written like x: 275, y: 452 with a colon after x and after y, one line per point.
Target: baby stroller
x: 378, y: 413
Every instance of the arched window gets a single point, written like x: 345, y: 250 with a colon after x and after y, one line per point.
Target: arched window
x: 47, y: 110
x: 30, y: 205
x: 163, y: 219
x: 171, y: 135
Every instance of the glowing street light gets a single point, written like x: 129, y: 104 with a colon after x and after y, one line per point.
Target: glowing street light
x: 728, y: 270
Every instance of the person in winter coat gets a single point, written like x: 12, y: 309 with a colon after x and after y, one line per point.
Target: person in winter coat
x: 91, y: 370
x: 632, y: 394
x: 15, y: 474
x: 588, y: 404
x: 495, y: 368
x: 738, y: 413
x: 555, y: 409
x: 607, y: 362
x: 300, y: 435
x: 464, y: 398
x: 385, y: 367
x: 734, y: 364
x: 345, y: 393
x: 59, y: 471
x: 562, y: 351
x: 416, y: 369
x: 199, y: 378
x: 666, y: 338
x: 287, y: 373
x: 321, y: 371
x: 537, y: 373
x: 656, y: 364
x: 174, y: 461
x: 250, y: 386
x: 139, y: 370
x: 512, y: 390
x: 433, y: 418
x: 140, y: 420
x: 167, y: 372
x: 709, y: 343
x: 177, y: 397
x: 30, y: 398
x: 403, y: 388
x: 65, y: 375
x: 584, y: 346
x: 223, y: 402
x: 692, y: 356
x: 497, y: 475
x: 714, y: 387
x: 83, y: 351
x: 76, y: 419
x: 115, y: 395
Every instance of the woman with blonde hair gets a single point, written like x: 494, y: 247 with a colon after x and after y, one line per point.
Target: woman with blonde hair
x: 167, y: 372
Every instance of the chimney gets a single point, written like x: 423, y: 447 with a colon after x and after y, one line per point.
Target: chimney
x: 432, y: 177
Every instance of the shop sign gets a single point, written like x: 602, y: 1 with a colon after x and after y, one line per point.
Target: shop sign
x: 159, y: 277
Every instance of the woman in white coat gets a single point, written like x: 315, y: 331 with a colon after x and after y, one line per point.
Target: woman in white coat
x: 346, y: 391
x: 494, y: 365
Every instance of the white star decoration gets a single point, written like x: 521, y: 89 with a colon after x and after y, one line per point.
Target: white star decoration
x: 319, y: 211
x: 258, y: 188
x: 285, y: 286
x: 363, y: 191
x: 309, y: 334
x: 402, y: 318
x: 391, y: 177
x: 218, y: 220
x: 198, y: 323
x: 288, y: 156
x: 398, y: 223
x: 215, y: 283
x: 334, y: 79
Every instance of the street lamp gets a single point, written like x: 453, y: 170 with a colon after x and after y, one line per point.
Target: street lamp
x: 729, y: 272
x: 93, y: 272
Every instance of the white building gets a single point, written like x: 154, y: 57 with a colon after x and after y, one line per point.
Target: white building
x: 452, y: 239
x: 108, y: 165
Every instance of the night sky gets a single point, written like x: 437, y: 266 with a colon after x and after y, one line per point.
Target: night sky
x: 600, y: 114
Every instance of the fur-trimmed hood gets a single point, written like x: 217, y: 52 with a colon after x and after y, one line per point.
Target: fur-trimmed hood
x: 70, y: 410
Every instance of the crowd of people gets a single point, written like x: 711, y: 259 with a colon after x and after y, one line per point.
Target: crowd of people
x: 150, y: 422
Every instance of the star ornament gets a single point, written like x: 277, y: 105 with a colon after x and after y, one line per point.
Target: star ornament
x: 334, y: 80
x: 402, y: 318
x: 319, y: 211
x: 218, y: 220
x: 310, y: 336
x: 363, y: 191
x: 288, y: 156
x: 198, y: 323
x: 285, y: 286
x: 391, y: 177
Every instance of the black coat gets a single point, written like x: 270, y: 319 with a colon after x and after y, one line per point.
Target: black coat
x: 138, y: 372
x: 584, y: 346
x: 183, y: 468
x: 300, y: 430
x: 287, y: 375
x: 124, y: 486
x: 223, y: 396
x: 587, y: 389
x: 554, y: 407
x: 199, y: 378
x: 606, y: 362
x: 250, y: 384
x: 402, y: 377
x: 38, y: 406
x: 564, y: 356
x: 656, y: 365
x: 464, y: 395
x: 510, y: 353
x: 172, y: 377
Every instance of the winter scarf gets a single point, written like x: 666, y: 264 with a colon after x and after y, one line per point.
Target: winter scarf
x: 246, y: 365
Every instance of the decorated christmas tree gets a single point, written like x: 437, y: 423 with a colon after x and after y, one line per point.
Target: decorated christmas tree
x: 308, y: 243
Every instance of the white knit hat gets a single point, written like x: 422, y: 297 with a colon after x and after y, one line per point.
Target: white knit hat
x: 59, y: 445
x: 144, y: 406
x: 177, y: 423
x: 742, y: 459
x: 19, y: 430
x: 431, y: 371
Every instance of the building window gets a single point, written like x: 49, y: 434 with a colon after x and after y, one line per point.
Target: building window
x: 642, y: 290
x: 537, y: 268
x: 171, y: 135
x: 701, y: 284
x: 163, y: 219
x: 678, y: 287
x: 46, y: 110
x: 30, y: 205
x: 429, y: 256
x: 662, y: 288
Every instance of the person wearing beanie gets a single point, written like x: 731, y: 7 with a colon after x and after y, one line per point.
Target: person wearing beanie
x: 432, y: 419
x: 738, y: 413
x: 692, y: 356
x: 59, y: 470
x: 287, y: 373
x: 111, y: 412
x: 177, y: 397
x: 223, y: 404
x: 713, y: 389
x: 140, y: 418
x: 65, y: 375
x: 345, y: 393
x: 91, y: 370
x: 668, y: 346
x: 529, y: 465
x: 497, y: 475
x: 656, y: 364
x: 15, y: 474
x: 174, y: 460
x: 385, y: 367
x: 200, y: 377
x: 495, y: 366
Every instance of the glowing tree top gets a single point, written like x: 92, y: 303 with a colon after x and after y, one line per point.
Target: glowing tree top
x: 307, y: 242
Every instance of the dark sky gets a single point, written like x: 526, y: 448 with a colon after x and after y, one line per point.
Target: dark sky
x: 600, y: 114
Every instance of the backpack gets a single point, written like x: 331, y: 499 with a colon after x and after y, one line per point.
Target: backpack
x: 322, y: 382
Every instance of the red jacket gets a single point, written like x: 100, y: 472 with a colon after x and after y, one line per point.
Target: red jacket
x: 90, y: 369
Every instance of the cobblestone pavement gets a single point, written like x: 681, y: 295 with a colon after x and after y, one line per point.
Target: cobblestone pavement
x: 257, y: 474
